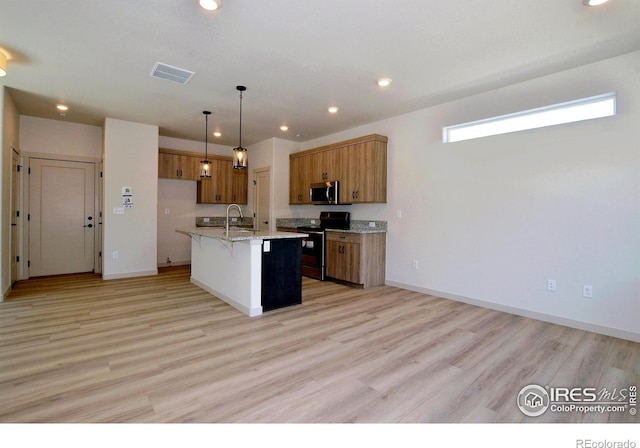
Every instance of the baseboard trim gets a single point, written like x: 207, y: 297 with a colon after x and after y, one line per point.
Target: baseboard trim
x: 594, y: 328
x: 251, y: 312
x: 129, y: 275
x: 174, y: 263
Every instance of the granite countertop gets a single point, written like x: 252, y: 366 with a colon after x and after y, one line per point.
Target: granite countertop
x: 352, y: 230
x: 239, y: 234
x: 357, y: 226
x: 357, y: 230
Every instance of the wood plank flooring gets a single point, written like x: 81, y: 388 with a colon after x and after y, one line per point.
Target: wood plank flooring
x: 159, y: 349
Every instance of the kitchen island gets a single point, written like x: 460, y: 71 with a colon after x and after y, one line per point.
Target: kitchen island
x: 251, y: 270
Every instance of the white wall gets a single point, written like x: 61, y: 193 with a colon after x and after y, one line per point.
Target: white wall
x: 490, y: 220
x: 130, y: 160
x: 44, y: 136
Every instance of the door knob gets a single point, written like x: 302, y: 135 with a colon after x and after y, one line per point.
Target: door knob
x: 265, y: 222
x: 88, y: 225
x: 90, y: 218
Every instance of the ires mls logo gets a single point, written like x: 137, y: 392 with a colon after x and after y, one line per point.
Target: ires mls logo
x: 534, y: 400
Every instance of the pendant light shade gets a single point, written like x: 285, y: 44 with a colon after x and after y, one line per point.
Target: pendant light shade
x: 240, y: 153
x: 205, y: 165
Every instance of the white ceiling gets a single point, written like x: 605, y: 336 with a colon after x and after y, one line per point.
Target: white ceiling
x: 296, y: 57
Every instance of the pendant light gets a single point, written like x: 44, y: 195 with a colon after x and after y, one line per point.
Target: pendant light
x: 240, y: 153
x: 205, y: 165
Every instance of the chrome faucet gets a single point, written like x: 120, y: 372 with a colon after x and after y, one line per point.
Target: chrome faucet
x: 228, y: 208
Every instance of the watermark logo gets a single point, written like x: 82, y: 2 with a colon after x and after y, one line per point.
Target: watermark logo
x: 534, y: 400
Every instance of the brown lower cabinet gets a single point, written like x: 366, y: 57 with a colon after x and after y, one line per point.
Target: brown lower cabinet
x: 356, y: 258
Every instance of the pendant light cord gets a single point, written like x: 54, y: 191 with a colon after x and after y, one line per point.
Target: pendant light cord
x: 240, y: 137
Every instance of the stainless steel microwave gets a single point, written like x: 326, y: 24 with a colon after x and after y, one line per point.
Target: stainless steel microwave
x: 325, y: 193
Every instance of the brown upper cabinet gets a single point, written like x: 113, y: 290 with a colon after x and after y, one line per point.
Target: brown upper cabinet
x: 359, y: 164
x: 172, y: 165
x: 226, y: 185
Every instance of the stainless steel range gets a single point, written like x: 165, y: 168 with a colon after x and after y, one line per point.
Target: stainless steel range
x: 314, y: 248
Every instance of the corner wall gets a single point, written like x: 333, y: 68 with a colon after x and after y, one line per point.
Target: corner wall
x: 9, y: 139
x: 130, y: 160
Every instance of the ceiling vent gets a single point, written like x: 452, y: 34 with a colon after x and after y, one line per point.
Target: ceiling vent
x: 170, y: 73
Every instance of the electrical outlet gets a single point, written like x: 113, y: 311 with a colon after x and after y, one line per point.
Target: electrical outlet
x: 587, y: 291
x: 166, y: 211
x: 414, y: 264
x: 372, y: 223
x: 551, y: 285
x: 116, y: 255
x: 398, y: 214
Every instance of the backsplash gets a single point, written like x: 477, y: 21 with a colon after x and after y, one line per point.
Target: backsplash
x: 289, y: 223
x: 356, y: 224
x: 221, y: 221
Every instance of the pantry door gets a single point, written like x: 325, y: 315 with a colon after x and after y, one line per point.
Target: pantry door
x: 62, y: 224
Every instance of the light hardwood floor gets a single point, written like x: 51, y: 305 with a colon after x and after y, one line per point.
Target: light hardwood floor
x: 159, y: 349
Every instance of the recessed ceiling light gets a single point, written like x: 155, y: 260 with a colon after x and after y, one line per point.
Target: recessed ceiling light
x: 384, y: 82
x: 210, y: 5
x: 332, y: 109
x: 217, y: 134
x: 62, y: 107
x: 594, y: 2
x: 284, y: 127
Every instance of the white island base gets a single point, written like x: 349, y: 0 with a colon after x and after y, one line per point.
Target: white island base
x: 229, y: 265
x: 231, y: 271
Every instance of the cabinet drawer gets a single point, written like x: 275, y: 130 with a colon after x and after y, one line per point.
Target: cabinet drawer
x: 344, y: 237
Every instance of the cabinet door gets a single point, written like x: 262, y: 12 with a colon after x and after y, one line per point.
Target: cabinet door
x: 299, y: 180
x: 175, y: 166
x: 224, y: 181
x: 168, y: 166
x: 343, y: 257
x: 240, y: 186
x: 207, y: 190
x: 323, y: 166
x: 363, y: 168
x: 190, y: 167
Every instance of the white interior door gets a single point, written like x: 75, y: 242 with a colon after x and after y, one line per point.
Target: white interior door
x: 262, y: 198
x: 63, y: 224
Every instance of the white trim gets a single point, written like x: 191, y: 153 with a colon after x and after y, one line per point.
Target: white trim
x: 598, y: 106
x: 174, y: 263
x: 129, y: 275
x: 586, y: 326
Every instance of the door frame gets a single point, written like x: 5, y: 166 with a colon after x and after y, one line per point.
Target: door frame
x: 16, y: 216
x: 23, y: 266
